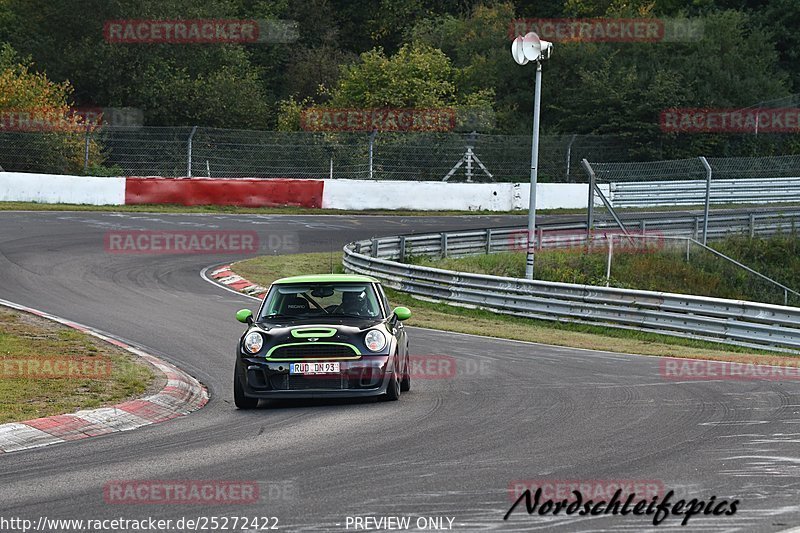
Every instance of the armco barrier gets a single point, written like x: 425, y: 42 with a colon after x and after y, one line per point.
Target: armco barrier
x: 240, y: 192
x: 692, y: 192
x: 750, y: 324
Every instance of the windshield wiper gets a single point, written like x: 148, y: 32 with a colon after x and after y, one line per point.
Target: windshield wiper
x: 280, y: 315
x: 350, y: 315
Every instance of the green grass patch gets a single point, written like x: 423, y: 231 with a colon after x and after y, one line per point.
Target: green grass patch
x: 266, y: 269
x: 27, y: 341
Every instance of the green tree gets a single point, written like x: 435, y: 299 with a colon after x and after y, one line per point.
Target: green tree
x: 211, y: 85
x: 780, y: 19
x: 478, y: 46
x: 56, y: 142
x: 417, y: 76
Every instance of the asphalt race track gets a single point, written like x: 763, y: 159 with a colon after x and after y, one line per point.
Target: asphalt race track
x: 449, y: 448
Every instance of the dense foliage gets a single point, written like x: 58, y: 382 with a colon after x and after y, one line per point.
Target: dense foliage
x: 407, y: 53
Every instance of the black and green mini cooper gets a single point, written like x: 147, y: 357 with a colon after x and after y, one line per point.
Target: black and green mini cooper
x: 331, y: 335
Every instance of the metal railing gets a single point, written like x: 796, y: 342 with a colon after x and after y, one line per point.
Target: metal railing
x: 750, y: 324
x: 692, y: 192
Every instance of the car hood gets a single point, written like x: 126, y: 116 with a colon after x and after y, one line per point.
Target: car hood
x: 345, y: 327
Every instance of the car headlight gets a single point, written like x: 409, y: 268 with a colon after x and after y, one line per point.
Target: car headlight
x: 253, y: 342
x: 375, y: 340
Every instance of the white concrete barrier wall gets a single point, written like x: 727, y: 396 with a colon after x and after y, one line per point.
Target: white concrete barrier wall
x: 337, y: 193
x: 433, y: 195
x: 58, y: 189
x: 556, y: 195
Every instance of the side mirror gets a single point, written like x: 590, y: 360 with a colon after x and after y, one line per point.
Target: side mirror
x: 402, y: 313
x: 245, y: 316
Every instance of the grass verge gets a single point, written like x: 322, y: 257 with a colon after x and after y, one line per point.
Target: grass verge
x: 36, y: 379
x: 264, y: 270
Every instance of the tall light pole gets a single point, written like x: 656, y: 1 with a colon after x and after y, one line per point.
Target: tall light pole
x: 523, y: 50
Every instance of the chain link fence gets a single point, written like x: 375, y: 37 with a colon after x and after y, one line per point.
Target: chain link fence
x: 706, y: 182
x: 693, y: 168
x: 226, y: 153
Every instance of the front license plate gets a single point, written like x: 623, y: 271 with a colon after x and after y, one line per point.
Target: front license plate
x: 314, y: 368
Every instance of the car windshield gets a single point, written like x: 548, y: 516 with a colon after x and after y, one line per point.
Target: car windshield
x: 321, y: 300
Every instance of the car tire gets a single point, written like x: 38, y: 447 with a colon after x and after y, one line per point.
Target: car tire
x: 392, y: 393
x: 405, y: 383
x: 239, y: 398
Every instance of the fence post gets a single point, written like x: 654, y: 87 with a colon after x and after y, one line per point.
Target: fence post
x: 86, y: 150
x: 374, y: 248
x: 590, y: 207
x: 444, y: 245
x: 752, y: 225
x: 708, y: 197
x: 371, y: 146
x: 489, y: 240
x: 569, y: 154
x: 402, y: 249
x: 539, y: 238
x: 610, y: 255
x: 189, y: 154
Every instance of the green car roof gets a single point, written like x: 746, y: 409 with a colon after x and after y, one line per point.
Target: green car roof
x: 326, y: 278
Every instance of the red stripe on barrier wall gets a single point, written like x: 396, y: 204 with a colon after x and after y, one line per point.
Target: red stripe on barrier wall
x: 239, y: 192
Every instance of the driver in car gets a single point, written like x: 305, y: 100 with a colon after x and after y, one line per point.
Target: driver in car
x: 353, y: 303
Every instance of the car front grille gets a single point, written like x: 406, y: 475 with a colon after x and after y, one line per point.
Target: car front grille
x: 313, y: 351
x: 298, y: 382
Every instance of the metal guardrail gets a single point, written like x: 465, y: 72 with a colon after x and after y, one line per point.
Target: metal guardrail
x: 693, y: 192
x: 751, y: 324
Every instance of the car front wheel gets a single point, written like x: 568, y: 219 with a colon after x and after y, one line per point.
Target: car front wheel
x: 405, y: 383
x: 239, y: 398
x: 393, y: 390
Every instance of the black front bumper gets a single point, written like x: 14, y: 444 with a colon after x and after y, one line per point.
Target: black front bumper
x: 364, y: 377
